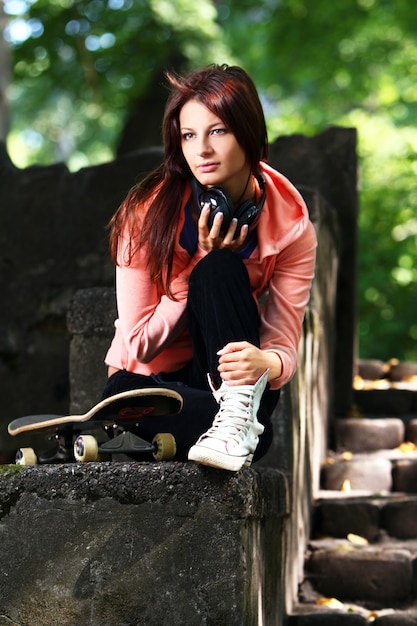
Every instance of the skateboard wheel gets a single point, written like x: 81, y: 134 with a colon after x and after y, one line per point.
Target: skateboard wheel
x: 26, y: 456
x: 165, y: 447
x: 85, y: 448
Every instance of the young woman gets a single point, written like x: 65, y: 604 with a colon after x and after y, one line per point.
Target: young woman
x: 197, y: 244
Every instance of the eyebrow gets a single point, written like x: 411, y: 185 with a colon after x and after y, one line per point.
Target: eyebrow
x: 209, y: 127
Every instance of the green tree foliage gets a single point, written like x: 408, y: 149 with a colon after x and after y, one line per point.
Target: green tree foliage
x: 351, y: 63
x: 79, y: 65
x: 82, y: 65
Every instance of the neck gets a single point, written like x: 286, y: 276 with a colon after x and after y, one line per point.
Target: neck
x: 248, y: 191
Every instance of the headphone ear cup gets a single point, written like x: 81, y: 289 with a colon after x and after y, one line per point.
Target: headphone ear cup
x: 219, y: 202
x: 247, y: 213
x: 242, y: 212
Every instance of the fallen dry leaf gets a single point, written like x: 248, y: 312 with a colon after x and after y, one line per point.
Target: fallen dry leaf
x: 407, y: 446
x: 332, y: 603
x: 357, y: 539
x: 372, y: 616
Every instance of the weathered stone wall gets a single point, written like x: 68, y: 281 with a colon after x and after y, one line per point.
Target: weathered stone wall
x: 53, y: 241
x: 327, y: 163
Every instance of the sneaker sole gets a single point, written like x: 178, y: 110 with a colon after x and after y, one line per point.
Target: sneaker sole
x: 212, y: 458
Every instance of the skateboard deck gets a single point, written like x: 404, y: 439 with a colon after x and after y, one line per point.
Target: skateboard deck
x: 119, y: 414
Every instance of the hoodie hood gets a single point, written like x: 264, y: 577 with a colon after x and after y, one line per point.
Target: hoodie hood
x: 284, y: 215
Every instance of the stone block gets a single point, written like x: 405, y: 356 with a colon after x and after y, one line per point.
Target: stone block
x: 54, y: 242
x: 88, y: 372
x: 362, y: 574
x: 402, y: 371
x: 369, y: 474
x: 128, y: 544
x: 368, y: 435
x: 370, y: 369
x: 90, y: 322
x: 404, y: 475
x: 411, y: 431
x: 399, y: 519
x: 338, y: 519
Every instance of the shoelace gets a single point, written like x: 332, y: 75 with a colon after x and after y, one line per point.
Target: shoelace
x: 233, y: 420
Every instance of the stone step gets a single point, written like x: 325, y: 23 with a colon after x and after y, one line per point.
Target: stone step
x: 358, y: 434
x: 362, y: 582
x: 337, y: 514
x: 380, y: 472
x: 379, y: 574
x: 375, y: 454
x: 361, y: 565
x: 364, y: 434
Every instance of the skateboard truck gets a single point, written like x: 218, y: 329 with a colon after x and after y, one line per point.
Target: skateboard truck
x: 163, y: 446
x: 127, y: 443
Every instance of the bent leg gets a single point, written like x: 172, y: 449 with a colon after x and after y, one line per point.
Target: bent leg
x: 221, y: 309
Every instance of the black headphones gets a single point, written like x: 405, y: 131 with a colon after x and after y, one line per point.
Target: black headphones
x: 247, y: 213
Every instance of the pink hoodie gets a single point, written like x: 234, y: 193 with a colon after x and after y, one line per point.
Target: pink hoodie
x: 151, y: 334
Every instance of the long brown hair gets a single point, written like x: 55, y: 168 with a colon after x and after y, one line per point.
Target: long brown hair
x: 155, y: 203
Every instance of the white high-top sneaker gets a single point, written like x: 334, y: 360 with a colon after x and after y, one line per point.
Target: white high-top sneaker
x: 232, y: 439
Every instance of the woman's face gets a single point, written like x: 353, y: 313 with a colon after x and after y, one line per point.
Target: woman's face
x: 212, y: 152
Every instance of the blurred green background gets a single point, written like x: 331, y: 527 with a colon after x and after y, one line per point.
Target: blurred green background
x: 72, y: 72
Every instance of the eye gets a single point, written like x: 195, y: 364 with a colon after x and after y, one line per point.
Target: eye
x: 187, y: 136
x: 219, y: 131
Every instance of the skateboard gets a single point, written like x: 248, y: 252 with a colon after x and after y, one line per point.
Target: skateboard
x: 112, y: 420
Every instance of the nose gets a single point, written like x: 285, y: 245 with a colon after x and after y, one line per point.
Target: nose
x: 204, y: 146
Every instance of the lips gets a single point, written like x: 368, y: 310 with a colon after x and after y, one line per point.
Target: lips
x: 207, y: 167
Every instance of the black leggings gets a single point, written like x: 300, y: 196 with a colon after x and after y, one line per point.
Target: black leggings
x: 220, y: 309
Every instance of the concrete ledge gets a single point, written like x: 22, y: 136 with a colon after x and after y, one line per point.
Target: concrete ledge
x: 120, y: 544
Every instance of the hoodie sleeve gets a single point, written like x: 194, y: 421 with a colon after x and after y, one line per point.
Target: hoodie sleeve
x: 147, y: 321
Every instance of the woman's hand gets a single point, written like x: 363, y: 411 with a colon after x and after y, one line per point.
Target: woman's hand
x: 211, y: 239
x: 242, y: 363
